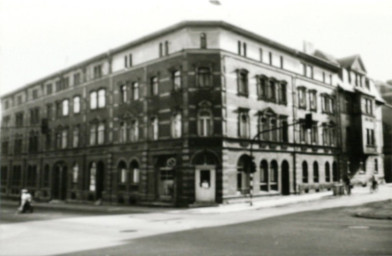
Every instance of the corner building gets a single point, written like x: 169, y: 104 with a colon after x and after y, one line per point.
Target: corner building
x: 171, y: 119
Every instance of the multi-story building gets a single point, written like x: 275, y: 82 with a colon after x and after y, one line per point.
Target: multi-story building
x: 177, y: 117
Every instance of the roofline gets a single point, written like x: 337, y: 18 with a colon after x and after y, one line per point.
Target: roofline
x: 177, y: 26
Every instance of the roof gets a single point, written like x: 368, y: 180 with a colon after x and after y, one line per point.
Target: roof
x: 314, y: 59
x: 325, y: 56
x: 348, y: 62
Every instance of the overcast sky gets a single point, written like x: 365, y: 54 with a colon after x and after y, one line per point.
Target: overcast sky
x: 39, y: 37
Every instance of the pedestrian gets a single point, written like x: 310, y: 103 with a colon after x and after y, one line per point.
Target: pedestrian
x: 25, y: 202
x: 373, y: 184
x: 347, y: 182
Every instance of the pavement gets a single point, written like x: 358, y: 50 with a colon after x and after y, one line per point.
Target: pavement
x: 73, y: 234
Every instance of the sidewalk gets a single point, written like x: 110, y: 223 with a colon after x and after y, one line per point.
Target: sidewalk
x: 257, y: 203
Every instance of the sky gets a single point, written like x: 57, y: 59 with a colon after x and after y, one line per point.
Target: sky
x: 40, y: 37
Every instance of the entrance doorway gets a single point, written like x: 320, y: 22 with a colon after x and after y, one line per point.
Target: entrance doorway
x: 285, y: 178
x: 96, y: 182
x: 205, y: 184
x: 59, y: 182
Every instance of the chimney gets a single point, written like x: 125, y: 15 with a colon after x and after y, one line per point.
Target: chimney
x: 308, y: 48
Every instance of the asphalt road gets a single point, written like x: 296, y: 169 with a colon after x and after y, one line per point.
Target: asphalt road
x: 327, y: 232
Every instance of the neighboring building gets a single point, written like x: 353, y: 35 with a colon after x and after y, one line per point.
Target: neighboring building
x: 170, y: 118
x: 385, y: 90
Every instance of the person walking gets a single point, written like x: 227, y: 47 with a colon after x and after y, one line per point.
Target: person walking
x: 347, y: 182
x: 373, y: 184
x: 25, y: 202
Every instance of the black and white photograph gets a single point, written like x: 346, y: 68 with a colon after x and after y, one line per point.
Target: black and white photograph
x: 195, y: 127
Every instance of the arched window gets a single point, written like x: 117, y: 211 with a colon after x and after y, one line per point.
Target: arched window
x: 134, y: 130
x: 203, y: 41
x: 274, y: 175
x: 244, y: 125
x: 135, y: 172
x: 335, y: 172
x: 101, y: 98
x: 123, y: 132
x: 76, y: 104
x: 315, y: 173
x: 75, y: 173
x: 176, y: 125
x: 93, y: 100
x: 101, y: 133
x: 305, y: 175
x: 65, y: 106
x: 327, y: 173
x: 243, y: 166
x: 204, y: 123
x: 264, y: 175
x: 122, y: 170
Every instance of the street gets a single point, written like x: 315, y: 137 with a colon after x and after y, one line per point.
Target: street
x: 325, y: 226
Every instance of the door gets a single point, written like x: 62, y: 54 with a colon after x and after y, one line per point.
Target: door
x: 285, y: 178
x: 205, y: 185
x: 59, y: 182
x: 166, y: 184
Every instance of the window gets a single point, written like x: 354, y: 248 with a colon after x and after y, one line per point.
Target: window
x: 49, y: 89
x: 65, y: 82
x: 313, y: 100
x: 130, y: 60
x: 31, y: 176
x: 204, y: 77
x: 272, y: 90
x: 93, y: 134
x: 154, y: 86
x: 327, y: 173
x: 34, y: 116
x: 126, y: 61
x: 135, y: 172
x: 328, y: 104
x: 134, y: 130
x: 76, y: 105
x: 35, y: 94
x: 49, y: 111
x: 264, y: 126
x: 244, y: 124
x: 307, y: 70
x: 4, y: 148
x: 59, y: 85
x: 273, y: 131
x: 154, y: 128
x: 314, y: 133
x: 303, y: 134
x: 93, y: 100
x: 244, y: 49
x: 33, y: 142
x: 239, y: 47
x: 284, y: 130
x: 204, y: 123
x: 75, y: 173
x: 19, y: 99
x: 18, y: 144
x: 323, y: 77
x: 123, y: 93
x: 367, y: 83
x: 368, y: 106
x: 274, y: 175
x: 19, y: 119
x: 315, y: 173
x: 64, y: 138
x: 135, y: 90
x: 123, y: 132
x: 370, y: 137
x: 302, y: 97
x: 5, y: 121
x: 325, y: 135
x: 101, y: 133
x: 282, y: 91
x: 4, y: 176
x: 65, y: 107
x: 97, y: 71
x: 203, y: 41
x: 176, y: 78
x: 262, y: 87
x: 281, y: 62
x: 166, y: 47
x: 242, y: 82
x: 160, y: 49
x: 101, y: 98
x: 123, y: 173
x: 305, y: 177
x: 93, y: 173
x: 375, y: 166
x: 261, y: 55
x: 75, y: 135
x: 76, y: 79
x: 270, y: 58
x: 176, y: 125
x: 48, y: 139
x: 264, y: 175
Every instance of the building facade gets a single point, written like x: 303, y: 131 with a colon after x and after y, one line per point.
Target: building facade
x: 178, y: 117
